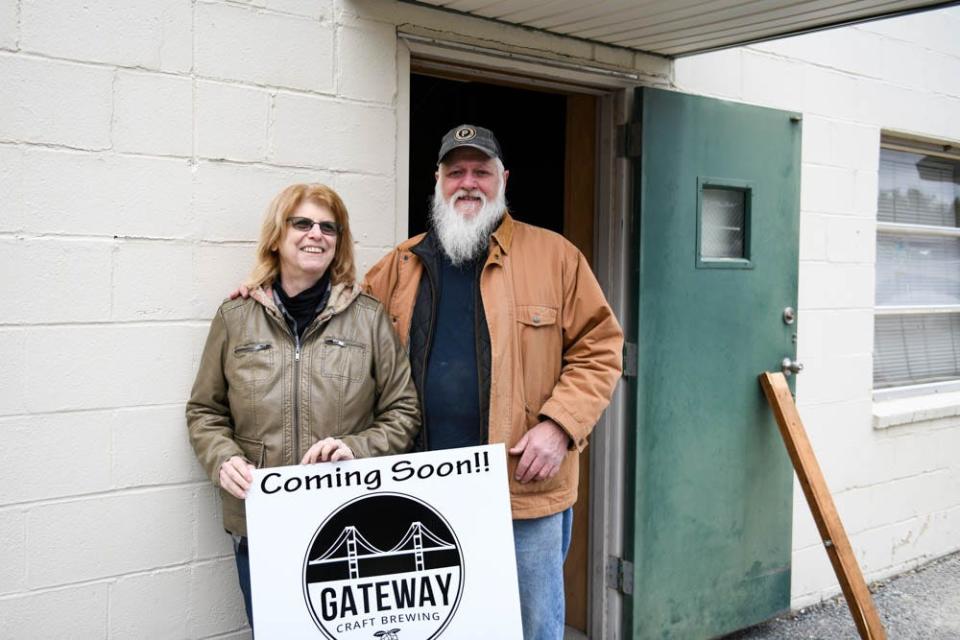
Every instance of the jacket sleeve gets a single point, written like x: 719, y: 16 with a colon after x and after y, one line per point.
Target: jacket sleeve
x: 208, y: 411
x: 592, y: 354
x: 396, y: 413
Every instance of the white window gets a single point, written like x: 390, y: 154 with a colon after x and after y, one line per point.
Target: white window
x: 917, y: 322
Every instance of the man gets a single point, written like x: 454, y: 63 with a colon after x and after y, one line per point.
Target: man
x: 510, y: 340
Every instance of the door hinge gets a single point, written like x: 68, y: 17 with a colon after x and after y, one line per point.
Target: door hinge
x: 629, y: 360
x: 620, y: 575
x: 629, y: 140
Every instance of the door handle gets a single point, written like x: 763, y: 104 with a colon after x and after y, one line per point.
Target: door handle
x: 790, y: 367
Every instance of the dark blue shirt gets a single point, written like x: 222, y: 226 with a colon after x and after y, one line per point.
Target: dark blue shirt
x: 452, y: 386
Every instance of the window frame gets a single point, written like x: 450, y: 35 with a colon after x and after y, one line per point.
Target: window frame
x: 947, y: 151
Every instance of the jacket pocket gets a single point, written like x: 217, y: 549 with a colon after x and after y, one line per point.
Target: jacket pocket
x: 342, y: 358
x: 253, y: 361
x: 541, y: 346
x: 252, y: 449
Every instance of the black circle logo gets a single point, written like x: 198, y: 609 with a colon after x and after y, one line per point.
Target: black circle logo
x: 465, y: 133
x: 384, y: 565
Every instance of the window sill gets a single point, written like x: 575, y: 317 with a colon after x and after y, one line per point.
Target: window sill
x: 894, y: 412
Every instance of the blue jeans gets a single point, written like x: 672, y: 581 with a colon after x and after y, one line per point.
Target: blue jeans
x: 242, y: 554
x: 541, y: 545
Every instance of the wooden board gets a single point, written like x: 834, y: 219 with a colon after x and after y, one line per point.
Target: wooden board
x: 821, y: 505
x: 578, y: 214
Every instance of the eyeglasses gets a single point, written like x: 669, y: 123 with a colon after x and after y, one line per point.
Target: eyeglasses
x: 327, y: 227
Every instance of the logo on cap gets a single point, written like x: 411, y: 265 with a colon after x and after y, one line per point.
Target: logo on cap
x: 465, y: 133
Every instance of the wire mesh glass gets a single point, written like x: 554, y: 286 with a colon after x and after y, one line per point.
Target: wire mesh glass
x: 722, y: 228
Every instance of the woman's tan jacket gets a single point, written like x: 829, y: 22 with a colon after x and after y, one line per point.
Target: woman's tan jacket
x: 257, y: 396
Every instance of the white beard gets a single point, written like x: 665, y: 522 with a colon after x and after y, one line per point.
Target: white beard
x: 463, y: 239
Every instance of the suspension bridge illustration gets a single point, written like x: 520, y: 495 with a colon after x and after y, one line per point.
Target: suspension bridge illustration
x: 351, y: 547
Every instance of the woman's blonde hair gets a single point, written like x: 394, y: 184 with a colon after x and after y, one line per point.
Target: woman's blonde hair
x: 342, y: 269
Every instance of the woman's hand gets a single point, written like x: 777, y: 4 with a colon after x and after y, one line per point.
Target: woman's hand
x: 236, y: 474
x: 327, y: 450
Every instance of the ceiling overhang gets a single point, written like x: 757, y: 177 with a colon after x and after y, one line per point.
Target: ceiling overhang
x: 673, y: 28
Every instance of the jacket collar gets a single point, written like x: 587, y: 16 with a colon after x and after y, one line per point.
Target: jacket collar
x: 341, y: 295
x: 504, y: 233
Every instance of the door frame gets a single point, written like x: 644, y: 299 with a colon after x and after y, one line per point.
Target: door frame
x: 611, y: 264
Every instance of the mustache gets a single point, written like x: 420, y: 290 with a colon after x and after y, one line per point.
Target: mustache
x: 468, y: 193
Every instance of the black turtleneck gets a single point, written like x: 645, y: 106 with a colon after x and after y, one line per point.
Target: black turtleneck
x: 300, y: 310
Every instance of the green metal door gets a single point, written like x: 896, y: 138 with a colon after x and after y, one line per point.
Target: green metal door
x: 716, y: 237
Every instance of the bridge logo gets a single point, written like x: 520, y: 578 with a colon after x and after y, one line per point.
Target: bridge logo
x: 383, y: 564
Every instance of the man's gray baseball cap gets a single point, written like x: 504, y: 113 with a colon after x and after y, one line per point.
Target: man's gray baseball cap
x: 468, y: 135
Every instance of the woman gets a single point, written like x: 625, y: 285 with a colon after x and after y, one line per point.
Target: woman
x: 307, y: 369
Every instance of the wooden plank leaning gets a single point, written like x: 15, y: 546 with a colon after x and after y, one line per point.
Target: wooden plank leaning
x: 821, y: 505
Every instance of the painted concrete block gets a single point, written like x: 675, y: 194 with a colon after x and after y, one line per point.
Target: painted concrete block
x: 70, y: 281
x: 827, y: 333
x: 811, y: 577
x: 366, y: 257
x: 9, y: 24
x: 129, y: 33
x: 74, y: 448
x: 211, y: 540
x: 836, y: 286
x: 108, y: 536
x: 840, y: 144
x: 72, y: 612
x: 11, y: 188
x: 13, y: 552
x: 832, y: 94
x: 218, y: 604
x: 367, y: 56
x: 813, y: 237
x: 827, y: 189
x: 899, y: 61
x: 230, y: 200
x: 12, y: 380
x: 851, y: 240
x: 717, y: 74
x: 317, y: 9
x: 136, y: 196
x: 328, y: 134
x: 151, y: 605
x: 218, y: 270
x: 772, y: 82
x: 371, y: 201
x: 148, y: 281
x: 153, y: 114
x: 53, y: 102
x: 238, y: 43
x: 866, y: 193
x: 232, y: 121
x: 150, y: 447
x: 91, y: 367
x: 836, y: 379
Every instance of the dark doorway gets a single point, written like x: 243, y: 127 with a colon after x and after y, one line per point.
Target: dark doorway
x: 549, y: 145
x: 530, y: 126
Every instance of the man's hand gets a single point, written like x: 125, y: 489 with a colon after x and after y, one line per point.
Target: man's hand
x: 541, y: 450
x: 236, y: 474
x: 327, y: 450
x: 240, y: 292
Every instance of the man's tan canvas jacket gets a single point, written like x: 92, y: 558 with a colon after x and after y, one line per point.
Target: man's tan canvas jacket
x: 556, y: 347
x: 255, y: 396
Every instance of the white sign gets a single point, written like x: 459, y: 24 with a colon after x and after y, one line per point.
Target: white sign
x: 407, y: 547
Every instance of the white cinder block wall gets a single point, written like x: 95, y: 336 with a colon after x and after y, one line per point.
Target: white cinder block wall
x: 897, y: 489
x: 140, y: 142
